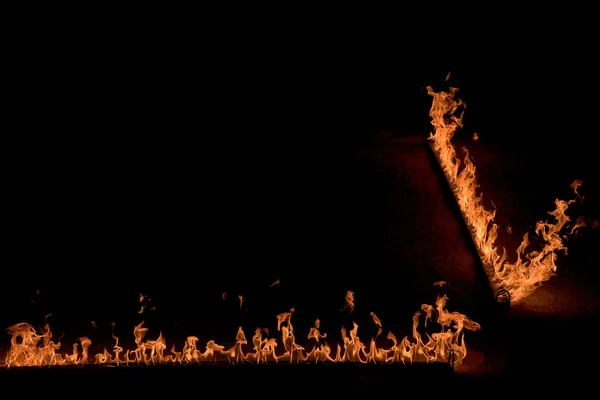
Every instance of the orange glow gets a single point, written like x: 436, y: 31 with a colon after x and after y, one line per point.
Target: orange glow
x: 28, y: 348
x: 530, y: 268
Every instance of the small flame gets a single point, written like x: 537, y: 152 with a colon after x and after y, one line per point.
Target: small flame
x: 145, y: 302
x: 314, y: 332
x: 349, y: 301
x: 576, y: 185
x: 377, y: 322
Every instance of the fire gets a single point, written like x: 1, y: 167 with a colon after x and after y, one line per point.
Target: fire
x: 28, y: 348
x: 530, y: 268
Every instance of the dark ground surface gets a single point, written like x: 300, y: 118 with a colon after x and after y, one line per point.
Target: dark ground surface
x: 188, y: 188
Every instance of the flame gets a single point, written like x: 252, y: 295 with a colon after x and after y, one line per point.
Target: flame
x: 531, y: 267
x: 349, y: 301
x: 377, y: 322
x: 28, y: 348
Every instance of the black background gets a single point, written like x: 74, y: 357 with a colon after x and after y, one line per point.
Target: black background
x: 183, y: 167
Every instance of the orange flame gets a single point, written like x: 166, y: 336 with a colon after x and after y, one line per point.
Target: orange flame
x: 531, y: 268
x: 31, y: 349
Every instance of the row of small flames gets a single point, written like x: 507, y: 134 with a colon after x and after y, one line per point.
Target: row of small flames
x: 29, y: 348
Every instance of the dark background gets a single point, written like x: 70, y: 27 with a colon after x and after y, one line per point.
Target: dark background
x: 183, y: 169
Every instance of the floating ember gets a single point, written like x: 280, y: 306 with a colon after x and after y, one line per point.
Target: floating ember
x: 530, y: 267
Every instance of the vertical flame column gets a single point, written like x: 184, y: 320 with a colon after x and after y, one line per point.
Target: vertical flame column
x: 446, y: 118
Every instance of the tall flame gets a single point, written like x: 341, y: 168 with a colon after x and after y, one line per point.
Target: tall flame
x: 531, y: 267
x: 28, y: 348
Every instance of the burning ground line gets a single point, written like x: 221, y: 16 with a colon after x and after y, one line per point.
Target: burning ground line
x: 510, y: 282
x: 29, y: 348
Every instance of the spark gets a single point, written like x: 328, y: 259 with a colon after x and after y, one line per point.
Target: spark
x: 276, y: 283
